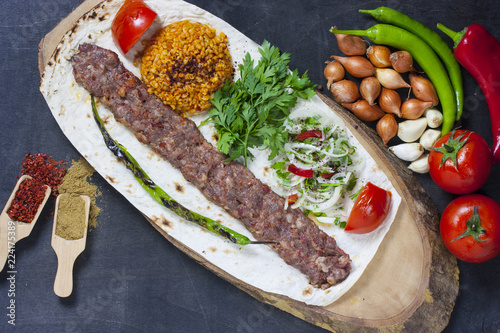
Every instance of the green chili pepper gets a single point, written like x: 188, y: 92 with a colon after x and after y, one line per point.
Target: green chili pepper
x: 404, y: 40
x: 161, y: 196
x: 392, y: 16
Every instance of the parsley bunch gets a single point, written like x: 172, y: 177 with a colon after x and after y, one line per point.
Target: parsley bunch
x: 251, y: 111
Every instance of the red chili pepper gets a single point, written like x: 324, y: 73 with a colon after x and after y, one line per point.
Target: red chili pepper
x: 292, y: 198
x: 479, y: 53
x: 308, y: 134
x: 327, y: 175
x: 300, y: 172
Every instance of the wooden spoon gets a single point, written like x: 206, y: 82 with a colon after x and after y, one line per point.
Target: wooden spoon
x: 67, y: 251
x: 12, y: 231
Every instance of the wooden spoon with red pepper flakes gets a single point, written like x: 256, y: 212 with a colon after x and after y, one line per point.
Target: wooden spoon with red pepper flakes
x: 20, y: 215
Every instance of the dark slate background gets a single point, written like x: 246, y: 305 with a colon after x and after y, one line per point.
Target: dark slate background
x: 129, y: 278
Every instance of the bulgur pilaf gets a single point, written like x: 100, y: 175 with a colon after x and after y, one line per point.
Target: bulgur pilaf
x: 184, y: 63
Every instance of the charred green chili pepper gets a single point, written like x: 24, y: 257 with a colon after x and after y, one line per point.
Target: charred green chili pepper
x: 161, y: 196
x: 392, y: 16
x: 404, y: 40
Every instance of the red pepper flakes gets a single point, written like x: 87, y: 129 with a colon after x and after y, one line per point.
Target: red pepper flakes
x: 28, y: 198
x: 44, y: 170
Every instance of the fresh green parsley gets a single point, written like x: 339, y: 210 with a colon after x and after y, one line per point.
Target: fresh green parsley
x: 251, y: 111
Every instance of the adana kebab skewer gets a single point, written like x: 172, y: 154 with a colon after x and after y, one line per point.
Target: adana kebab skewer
x: 161, y: 196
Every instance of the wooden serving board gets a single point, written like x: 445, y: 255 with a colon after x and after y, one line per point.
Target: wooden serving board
x: 412, y: 282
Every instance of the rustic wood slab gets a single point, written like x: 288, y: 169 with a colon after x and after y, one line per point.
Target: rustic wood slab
x: 412, y: 282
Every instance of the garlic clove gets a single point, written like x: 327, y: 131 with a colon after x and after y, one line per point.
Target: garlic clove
x: 379, y: 55
x: 420, y: 165
x: 357, y: 66
x: 390, y: 79
x: 429, y: 138
x: 434, y: 117
x: 411, y: 130
x: 408, y: 151
x: 387, y: 127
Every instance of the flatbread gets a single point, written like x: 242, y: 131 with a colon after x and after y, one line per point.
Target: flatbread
x: 256, y: 265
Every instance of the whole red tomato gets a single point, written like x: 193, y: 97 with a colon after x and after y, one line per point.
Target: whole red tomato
x: 370, y: 209
x: 460, y: 162
x: 470, y: 228
x: 133, y: 18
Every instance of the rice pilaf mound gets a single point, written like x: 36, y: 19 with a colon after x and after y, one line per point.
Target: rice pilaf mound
x: 184, y: 63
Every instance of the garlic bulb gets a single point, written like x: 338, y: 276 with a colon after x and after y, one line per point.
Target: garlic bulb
x: 408, y: 151
x: 420, y: 165
x: 411, y: 130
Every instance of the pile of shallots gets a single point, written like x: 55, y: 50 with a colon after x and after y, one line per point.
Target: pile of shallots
x: 378, y: 97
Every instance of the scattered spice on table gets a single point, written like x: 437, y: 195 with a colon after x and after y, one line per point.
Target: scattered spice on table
x: 28, y: 198
x: 70, y: 223
x: 44, y: 170
x: 76, y: 181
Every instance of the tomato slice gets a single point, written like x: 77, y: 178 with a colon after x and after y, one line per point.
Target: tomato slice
x: 130, y: 23
x: 308, y: 134
x: 370, y: 209
x: 300, y: 172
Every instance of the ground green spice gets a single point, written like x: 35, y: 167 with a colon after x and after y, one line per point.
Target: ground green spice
x: 70, y: 223
x: 76, y: 181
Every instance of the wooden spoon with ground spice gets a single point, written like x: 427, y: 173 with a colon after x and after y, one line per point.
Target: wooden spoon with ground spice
x: 20, y: 214
x: 69, y: 236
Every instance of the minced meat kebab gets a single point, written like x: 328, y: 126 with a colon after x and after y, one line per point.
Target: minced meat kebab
x: 230, y: 185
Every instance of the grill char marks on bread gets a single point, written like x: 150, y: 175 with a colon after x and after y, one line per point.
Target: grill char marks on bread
x: 227, y: 184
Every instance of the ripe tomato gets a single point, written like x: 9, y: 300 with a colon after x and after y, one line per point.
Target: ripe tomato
x: 460, y: 162
x: 130, y: 23
x: 370, y: 209
x: 470, y: 228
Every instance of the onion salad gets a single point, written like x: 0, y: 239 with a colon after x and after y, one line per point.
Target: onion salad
x: 317, y: 169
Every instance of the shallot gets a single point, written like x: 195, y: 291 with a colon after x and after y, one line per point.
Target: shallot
x: 345, y: 91
x: 357, y: 66
x: 390, y: 101
x: 333, y: 72
x: 402, y: 61
x: 414, y: 108
x: 423, y: 89
x: 390, y: 79
x: 364, y: 111
x: 379, y: 55
x: 350, y: 45
x: 387, y: 127
x: 370, y: 89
